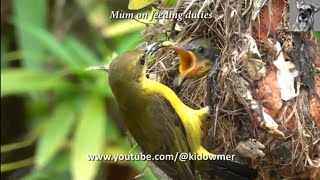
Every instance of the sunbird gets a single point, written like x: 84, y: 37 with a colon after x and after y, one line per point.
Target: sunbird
x: 161, y: 123
x: 195, y: 59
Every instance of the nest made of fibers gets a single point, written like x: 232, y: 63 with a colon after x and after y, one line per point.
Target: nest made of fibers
x: 296, y: 155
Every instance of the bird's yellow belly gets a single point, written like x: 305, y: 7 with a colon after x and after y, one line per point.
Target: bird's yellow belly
x: 190, y: 118
x: 193, y: 127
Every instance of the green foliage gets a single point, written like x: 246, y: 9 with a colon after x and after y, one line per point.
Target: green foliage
x: 63, y: 117
x: 48, y: 42
x: 92, y: 120
x: 170, y: 2
x: 80, y: 52
x: 38, y: 18
x: 67, y: 106
x: 139, y: 4
x: 58, y: 168
x: 18, y: 81
x: 317, y: 35
x: 3, y: 51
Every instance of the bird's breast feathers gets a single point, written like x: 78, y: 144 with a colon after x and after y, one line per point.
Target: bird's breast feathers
x: 191, y: 119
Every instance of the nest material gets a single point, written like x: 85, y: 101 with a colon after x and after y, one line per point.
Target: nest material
x: 281, y: 138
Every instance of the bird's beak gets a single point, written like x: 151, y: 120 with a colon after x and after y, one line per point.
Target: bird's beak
x: 187, y: 60
x: 153, y: 47
x: 95, y: 68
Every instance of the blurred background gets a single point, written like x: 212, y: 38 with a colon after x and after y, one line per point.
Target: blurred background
x: 53, y: 112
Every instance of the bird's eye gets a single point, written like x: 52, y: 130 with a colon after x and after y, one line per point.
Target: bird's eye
x: 200, y: 50
x: 142, y: 60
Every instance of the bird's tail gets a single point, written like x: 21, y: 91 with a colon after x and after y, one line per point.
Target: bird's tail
x: 228, y: 170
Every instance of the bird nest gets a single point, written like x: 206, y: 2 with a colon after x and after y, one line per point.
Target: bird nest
x: 264, y: 92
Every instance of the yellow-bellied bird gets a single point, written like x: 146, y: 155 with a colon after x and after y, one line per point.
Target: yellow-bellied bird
x: 160, y: 123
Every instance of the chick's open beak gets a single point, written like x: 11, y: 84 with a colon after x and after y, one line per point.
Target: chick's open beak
x: 187, y: 60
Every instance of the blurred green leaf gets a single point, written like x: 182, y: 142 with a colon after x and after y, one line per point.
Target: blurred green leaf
x: 139, y: 4
x: 61, y: 163
x: 317, y: 35
x: 122, y: 27
x: 58, y: 168
x: 34, y: 13
x: 15, y: 81
x: 95, y: 12
x: 80, y: 52
x: 16, y: 164
x: 89, y: 138
x: 46, y: 175
x: 169, y: 2
x: 127, y: 42
x: 103, y: 85
x: 18, y: 55
x: 48, y: 41
x: 4, y: 59
x: 17, y: 145
x: 55, y: 133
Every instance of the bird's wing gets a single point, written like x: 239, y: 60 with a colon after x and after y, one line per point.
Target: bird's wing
x: 174, y: 137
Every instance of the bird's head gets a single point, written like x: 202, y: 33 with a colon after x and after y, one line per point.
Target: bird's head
x: 128, y: 66
x: 131, y: 66
x: 195, y: 58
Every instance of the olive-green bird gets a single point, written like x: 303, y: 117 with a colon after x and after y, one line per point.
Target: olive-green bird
x: 195, y: 59
x: 160, y: 123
